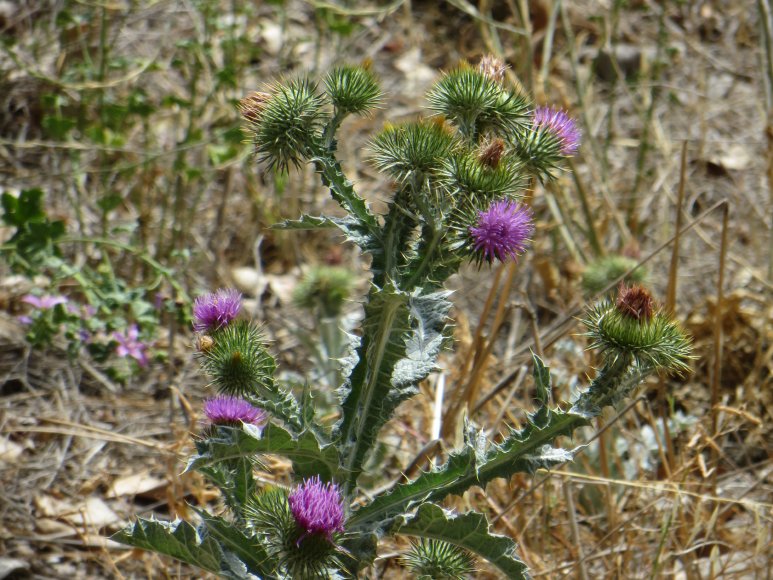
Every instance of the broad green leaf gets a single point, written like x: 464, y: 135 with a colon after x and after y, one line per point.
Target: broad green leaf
x: 309, y: 456
x: 469, y: 531
x: 177, y: 539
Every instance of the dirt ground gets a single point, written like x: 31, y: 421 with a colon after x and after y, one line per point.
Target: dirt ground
x: 678, y: 486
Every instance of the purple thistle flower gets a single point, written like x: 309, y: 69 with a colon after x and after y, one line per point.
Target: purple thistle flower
x: 44, y: 302
x: 216, y: 309
x: 317, y: 508
x: 561, y: 125
x: 129, y: 345
x: 226, y: 410
x: 503, y: 230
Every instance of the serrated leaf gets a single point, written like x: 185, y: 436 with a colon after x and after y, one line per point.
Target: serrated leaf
x: 309, y: 455
x: 177, y: 539
x: 380, y: 512
x: 402, y: 337
x: 342, y: 191
x: 523, y: 451
x: 469, y: 531
x: 350, y: 227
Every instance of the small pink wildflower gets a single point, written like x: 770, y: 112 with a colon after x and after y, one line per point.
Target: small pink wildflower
x: 45, y: 302
x: 129, y: 345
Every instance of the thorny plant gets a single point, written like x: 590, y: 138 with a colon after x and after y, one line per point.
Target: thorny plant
x: 457, y: 179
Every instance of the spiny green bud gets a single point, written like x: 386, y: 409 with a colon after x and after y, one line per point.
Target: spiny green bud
x: 463, y: 94
x: 472, y: 177
x: 437, y: 560
x: 238, y: 362
x: 412, y: 151
x: 353, y: 89
x: 325, y: 288
x: 602, y: 272
x: 285, y: 127
x: 631, y: 328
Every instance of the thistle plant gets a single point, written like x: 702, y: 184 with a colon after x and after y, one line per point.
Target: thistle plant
x: 457, y: 199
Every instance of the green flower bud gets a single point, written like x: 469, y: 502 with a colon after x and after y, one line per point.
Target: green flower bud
x: 325, y: 288
x: 412, y: 151
x: 285, y: 127
x: 631, y: 329
x: 238, y: 361
x: 476, y: 102
x: 353, y: 89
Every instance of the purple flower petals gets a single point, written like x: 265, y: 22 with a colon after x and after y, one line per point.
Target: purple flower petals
x: 130, y: 345
x: 561, y: 125
x: 225, y: 410
x: 215, y: 310
x: 45, y: 302
x: 503, y: 230
x: 317, y: 508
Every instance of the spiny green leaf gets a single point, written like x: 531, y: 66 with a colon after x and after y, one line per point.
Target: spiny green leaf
x: 469, y: 531
x: 523, y: 451
x: 309, y: 455
x: 402, y: 337
x: 352, y: 228
x: 342, y: 191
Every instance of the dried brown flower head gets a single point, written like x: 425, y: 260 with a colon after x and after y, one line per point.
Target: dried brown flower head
x: 493, y: 67
x: 253, y: 104
x: 635, y: 302
x: 205, y: 343
x: 492, y: 153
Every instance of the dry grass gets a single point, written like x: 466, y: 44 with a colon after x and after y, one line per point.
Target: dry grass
x: 678, y: 484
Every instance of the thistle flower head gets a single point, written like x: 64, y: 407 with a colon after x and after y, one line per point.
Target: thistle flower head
x: 353, y: 89
x: 226, y: 410
x: 317, y: 508
x: 326, y: 288
x: 604, y: 271
x: 560, y: 126
x: 215, y: 310
x: 502, y: 231
x: 492, y: 67
x: 238, y: 362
